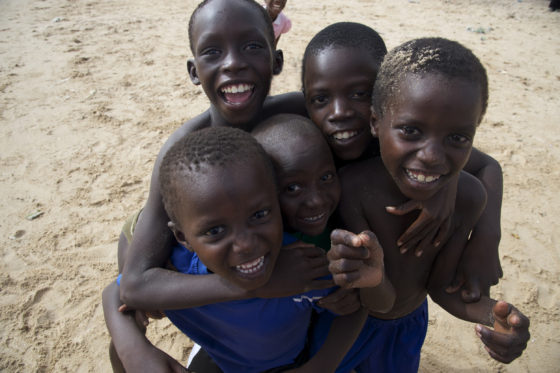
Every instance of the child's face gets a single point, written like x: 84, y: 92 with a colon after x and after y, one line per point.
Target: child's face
x: 338, y: 84
x: 426, y: 132
x: 308, y: 184
x: 232, y: 220
x: 234, y: 60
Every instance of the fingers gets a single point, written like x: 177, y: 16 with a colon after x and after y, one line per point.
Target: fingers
x: 457, y: 284
x: 443, y: 233
x: 346, y: 279
x: 371, y: 243
x: 425, y: 243
x: 341, y: 302
x: 319, y: 284
x: 343, y: 237
x: 405, y: 208
x: 422, y: 229
x: 471, y: 291
x: 124, y: 308
x: 504, y: 347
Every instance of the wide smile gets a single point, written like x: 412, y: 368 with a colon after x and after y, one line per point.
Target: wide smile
x: 252, y: 267
x: 315, y: 221
x: 346, y: 136
x: 237, y: 94
x: 422, y: 177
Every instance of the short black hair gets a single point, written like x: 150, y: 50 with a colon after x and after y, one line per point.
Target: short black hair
x: 282, y: 132
x: 212, y: 147
x: 428, y: 56
x: 260, y: 10
x: 346, y: 35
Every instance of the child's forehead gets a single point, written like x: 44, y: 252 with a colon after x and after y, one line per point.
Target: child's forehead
x: 355, y: 60
x: 436, y: 93
x: 211, y: 18
x: 228, y: 9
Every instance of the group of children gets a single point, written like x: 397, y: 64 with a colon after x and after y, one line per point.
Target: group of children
x: 304, y: 231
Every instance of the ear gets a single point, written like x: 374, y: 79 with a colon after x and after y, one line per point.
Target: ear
x: 192, y: 72
x: 179, y: 235
x: 374, y: 123
x: 278, y: 62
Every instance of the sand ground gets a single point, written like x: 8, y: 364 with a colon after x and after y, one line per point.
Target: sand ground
x: 89, y: 91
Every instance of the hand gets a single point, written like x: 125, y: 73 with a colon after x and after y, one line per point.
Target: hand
x: 142, y: 317
x: 298, y: 269
x: 510, y: 335
x: 356, y: 260
x: 433, y: 225
x: 479, y: 266
x: 341, y: 302
x: 152, y: 360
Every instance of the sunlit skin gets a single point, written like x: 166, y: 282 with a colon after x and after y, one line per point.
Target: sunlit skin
x: 337, y: 87
x: 426, y: 132
x: 231, y: 219
x: 308, y: 183
x: 234, y: 60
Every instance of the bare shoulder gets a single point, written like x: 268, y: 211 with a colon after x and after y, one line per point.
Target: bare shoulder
x: 290, y: 103
x: 471, y: 196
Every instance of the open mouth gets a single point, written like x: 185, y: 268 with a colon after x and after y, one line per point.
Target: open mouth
x: 345, y: 135
x: 422, y: 177
x: 251, y: 267
x: 315, y: 218
x: 237, y: 94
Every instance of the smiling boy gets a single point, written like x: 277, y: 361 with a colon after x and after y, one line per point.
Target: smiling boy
x: 232, y: 42
x: 340, y: 66
x: 429, y: 97
x: 220, y: 193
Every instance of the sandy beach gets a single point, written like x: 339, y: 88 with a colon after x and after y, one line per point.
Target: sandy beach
x: 90, y: 90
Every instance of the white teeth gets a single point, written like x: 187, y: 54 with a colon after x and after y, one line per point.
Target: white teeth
x: 312, y: 219
x: 252, y: 266
x: 344, y: 135
x: 240, y: 88
x: 422, y: 178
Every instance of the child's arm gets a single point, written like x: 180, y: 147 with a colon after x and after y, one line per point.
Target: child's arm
x: 356, y: 261
x: 147, y: 285
x: 511, y: 328
x: 510, y: 333
x: 342, y: 335
x: 479, y: 267
x: 134, y: 350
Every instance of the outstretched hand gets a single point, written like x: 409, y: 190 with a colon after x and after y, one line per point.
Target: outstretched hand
x: 355, y: 260
x: 298, y: 269
x: 433, y: 225
x: 510, y: 335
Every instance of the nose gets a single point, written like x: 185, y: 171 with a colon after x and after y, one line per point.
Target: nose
x: 243, y: 242
x: 233, y: 61
x: 432, y: 153
x: 339, y: 110
x: 314, y: 197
